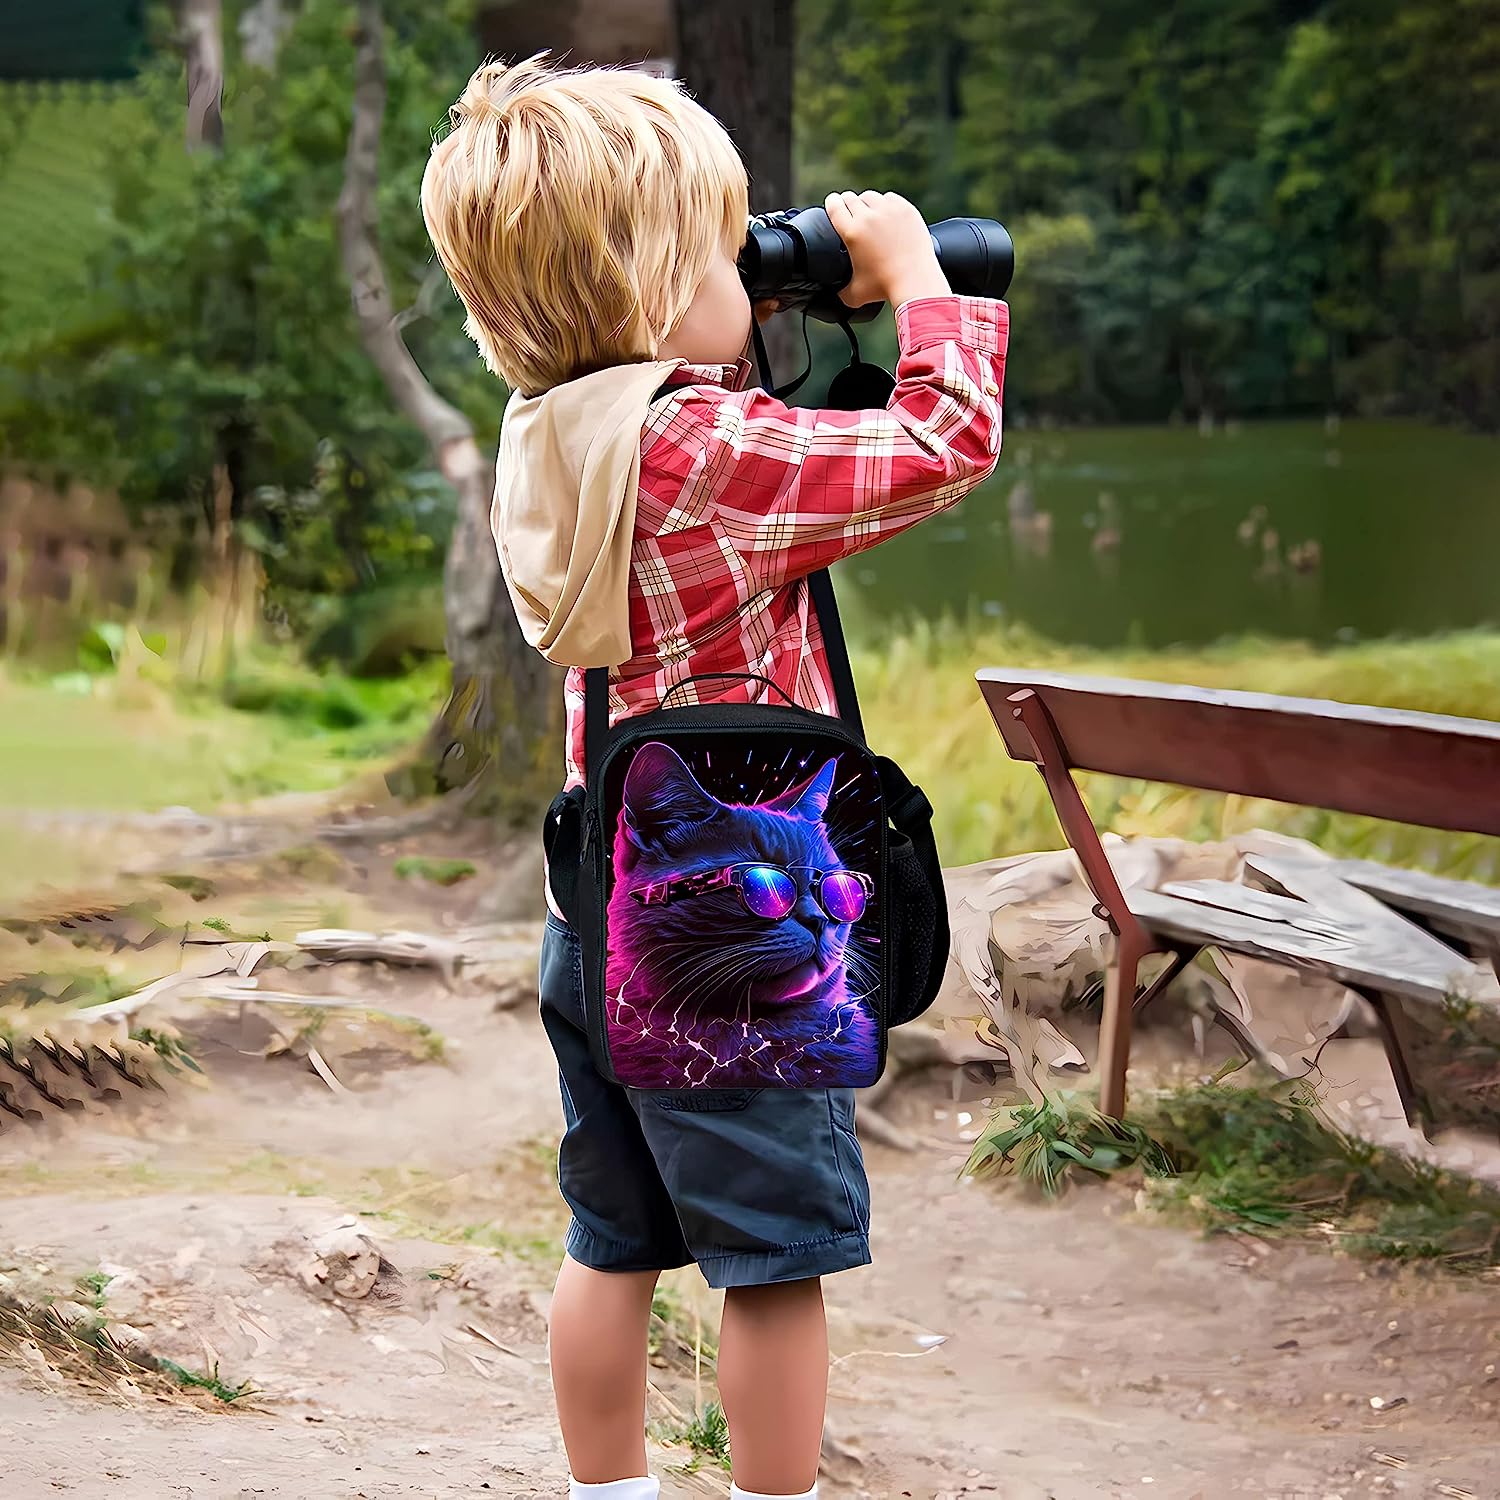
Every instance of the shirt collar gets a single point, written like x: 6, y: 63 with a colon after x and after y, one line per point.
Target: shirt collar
x: 733, y: 377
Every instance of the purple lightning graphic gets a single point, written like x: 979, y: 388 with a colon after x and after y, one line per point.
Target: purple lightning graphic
x: 742, y: 947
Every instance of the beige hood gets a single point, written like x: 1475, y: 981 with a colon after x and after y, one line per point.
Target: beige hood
x: 564, y: 510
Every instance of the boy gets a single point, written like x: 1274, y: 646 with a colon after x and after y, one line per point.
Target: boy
x: 656, y: 516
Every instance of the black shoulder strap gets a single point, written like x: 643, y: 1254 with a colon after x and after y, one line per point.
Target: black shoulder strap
x: 825, y: 606
x: 820, y: 585
x: 595, y: 715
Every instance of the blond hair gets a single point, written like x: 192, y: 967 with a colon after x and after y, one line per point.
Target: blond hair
x: 576, y: 212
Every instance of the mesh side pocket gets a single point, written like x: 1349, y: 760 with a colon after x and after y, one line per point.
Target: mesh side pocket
x: 916, y: 967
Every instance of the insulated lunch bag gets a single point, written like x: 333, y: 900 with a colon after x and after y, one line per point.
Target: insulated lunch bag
x: 757, y: 895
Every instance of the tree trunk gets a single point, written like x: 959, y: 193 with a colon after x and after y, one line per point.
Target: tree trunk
x: 222, y: 627
x: 203, y: 46
x: 501, y: 720
x: 736, y: 57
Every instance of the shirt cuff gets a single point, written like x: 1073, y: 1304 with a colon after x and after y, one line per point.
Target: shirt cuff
x: 979, y: 323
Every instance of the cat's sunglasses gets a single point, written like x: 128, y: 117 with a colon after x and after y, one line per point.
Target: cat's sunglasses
x: 770, y: 891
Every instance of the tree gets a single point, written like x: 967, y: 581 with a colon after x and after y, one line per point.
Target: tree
x: 1220, y: 205
x: 502, y: 709
x: 877, y: 98
x: 216, y: 327
x: 736, y: 57
x: 203, y: 49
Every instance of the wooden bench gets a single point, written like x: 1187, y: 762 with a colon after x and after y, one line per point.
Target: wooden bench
x: 1342, y: 919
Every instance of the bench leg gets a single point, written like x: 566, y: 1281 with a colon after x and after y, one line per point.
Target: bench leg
x: 1114, y: 1030
x: 1395, y: 1032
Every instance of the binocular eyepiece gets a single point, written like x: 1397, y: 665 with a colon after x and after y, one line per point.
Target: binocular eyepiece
x: 796, y: 256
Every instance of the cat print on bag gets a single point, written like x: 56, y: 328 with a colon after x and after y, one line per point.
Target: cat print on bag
x: 742, y: 949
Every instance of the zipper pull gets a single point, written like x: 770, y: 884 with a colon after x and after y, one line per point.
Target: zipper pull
x: 590, y: 828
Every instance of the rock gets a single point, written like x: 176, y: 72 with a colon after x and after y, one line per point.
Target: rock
x: 343, y: 1260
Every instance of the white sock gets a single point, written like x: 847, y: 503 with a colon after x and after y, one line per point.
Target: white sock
x: 616, y: 1489
x: 736, y: 1493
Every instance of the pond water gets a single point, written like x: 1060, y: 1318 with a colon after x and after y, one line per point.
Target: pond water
x: 1153, y: 537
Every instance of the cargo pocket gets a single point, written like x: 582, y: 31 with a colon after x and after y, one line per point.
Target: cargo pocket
x: 705, y: 1101
x: 850, y: 1158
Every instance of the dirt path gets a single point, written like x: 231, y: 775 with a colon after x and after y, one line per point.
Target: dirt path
x: 1085, y: 1352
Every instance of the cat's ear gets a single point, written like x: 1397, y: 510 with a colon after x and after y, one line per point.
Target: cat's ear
x: 662, y: 794
x: 810, y: 800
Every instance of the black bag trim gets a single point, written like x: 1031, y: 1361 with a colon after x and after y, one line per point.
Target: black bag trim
x: 835, y: 647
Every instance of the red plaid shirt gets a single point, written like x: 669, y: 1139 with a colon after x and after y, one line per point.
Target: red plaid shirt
x: 741, y: 497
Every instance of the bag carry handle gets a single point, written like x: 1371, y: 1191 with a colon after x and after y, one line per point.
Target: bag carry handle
x: 737, y: 676
x: 825, y: 607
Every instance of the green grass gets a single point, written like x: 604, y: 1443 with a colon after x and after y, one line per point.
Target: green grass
x: 1270, y: 1160
x: 1265, y: 1160
x: 280, y: 726
x: 676, y: 1332
x: 169, y: 1047
x: 706, y: 1434
x: 1047, y: 1143
x: 274, y: 727
x: 78, y: 987
x: 207, y: 1381
x: 438, y: 871
x: 923, y: 709
x: 539, y: 1249
x: 94, y: 1288
x: 126, y: 747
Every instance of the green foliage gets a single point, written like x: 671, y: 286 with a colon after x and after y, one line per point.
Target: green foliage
x: 81, y: 986
x: 1270, y: 1161
x: 1044, y: 1144
x: 1219, y: 205
x: 100, y: 648
x: 169, y: 1047
x: 94, y: 1288
x: 877, y: 99
x: 212, y: 329
x: 666, y: 1308
x: 676, y: 1333
x: 206, y: 1381
x: 1263, y: 1160
x: 329, y: 700
x: 438, y: 871
x: 706, y: 1434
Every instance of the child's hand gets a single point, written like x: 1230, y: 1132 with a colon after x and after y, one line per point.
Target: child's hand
x: 889, y: 248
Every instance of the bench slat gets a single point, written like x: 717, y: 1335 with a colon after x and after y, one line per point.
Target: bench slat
x: 1219, y: 914
x: 1430, y: 769
x: 1476, y: 908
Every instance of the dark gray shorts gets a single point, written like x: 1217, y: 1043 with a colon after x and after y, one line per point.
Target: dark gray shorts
x: 755, y: 1185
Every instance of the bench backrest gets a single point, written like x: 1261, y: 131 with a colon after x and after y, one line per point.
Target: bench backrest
x: 1429, y: 769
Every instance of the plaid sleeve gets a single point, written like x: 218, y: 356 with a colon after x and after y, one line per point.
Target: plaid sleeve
x: 794, y: 489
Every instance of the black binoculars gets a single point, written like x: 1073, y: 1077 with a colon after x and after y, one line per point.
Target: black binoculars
x: 796, y: 256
